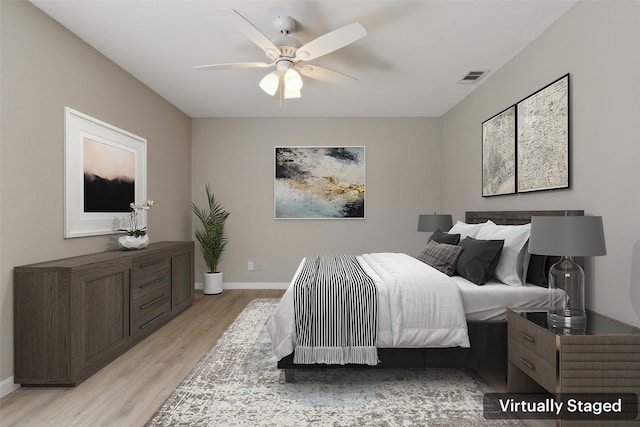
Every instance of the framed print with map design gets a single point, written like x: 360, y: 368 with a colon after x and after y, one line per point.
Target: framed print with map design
x: 543, y: 138
x: 499, y: 154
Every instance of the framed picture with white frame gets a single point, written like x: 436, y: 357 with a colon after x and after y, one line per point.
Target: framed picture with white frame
x: 105, y: 170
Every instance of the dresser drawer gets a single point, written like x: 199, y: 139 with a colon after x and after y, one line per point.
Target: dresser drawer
x: 151, y: 283
x: 149, y: 311
x: 532, y: 337
x: 541, y: 370
x: 147, y: 268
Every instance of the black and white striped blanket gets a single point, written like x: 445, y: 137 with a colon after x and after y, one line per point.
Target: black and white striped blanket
x: 336, y: 312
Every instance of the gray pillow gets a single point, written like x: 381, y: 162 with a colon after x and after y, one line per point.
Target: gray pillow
x: 538, y: 270
x: 441, y: 256
x: 478, y: 259
x: 440, y: 237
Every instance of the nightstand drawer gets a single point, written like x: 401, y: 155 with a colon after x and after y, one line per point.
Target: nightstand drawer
x: 541, y: 370
x: 532, y: 338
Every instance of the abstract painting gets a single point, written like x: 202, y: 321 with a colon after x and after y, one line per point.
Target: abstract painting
x: 499, y: 153
x: 543, y: 138
x: 109, y: 177
x: 105, y: 171
x: 319, y: 183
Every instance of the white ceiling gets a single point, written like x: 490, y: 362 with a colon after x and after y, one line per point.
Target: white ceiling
x: 408, y: 65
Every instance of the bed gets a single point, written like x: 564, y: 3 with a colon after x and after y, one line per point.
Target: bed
x: 483, y: 306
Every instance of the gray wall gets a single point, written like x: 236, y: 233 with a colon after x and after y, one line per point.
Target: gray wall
x: 236, y: 156
x: 597, y: 43
x: 44, y: 69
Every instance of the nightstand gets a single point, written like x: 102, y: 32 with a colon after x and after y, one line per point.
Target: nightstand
x: 605, y: 358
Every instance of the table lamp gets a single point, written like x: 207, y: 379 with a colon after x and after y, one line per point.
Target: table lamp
x: 435, y: 222
x: 567, y: 237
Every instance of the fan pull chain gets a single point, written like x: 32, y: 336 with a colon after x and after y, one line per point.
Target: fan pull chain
x: 283, y: 100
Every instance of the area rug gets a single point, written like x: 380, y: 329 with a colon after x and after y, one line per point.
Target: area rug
x: 236, y: 383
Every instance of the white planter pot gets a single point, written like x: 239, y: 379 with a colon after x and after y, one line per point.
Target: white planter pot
x: 212, y: 283
x: 132, y: 242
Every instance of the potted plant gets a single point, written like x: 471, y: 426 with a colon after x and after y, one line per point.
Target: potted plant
x: 136, y: 237
x: 213, y: 239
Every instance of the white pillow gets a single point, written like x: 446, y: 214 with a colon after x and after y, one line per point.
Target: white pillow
x: 512, y: 267
x: 467, y: 230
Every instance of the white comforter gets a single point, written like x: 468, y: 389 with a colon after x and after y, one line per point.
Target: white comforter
x: 418, y: 306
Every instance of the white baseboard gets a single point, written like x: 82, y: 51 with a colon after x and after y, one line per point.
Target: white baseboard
x: 7, y: 386
x: 250, y: 285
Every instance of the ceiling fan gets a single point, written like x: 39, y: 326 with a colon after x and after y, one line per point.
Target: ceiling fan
x: 289, y: 56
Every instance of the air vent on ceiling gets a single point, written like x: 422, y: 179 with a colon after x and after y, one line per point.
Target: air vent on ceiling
x: 472, y: 77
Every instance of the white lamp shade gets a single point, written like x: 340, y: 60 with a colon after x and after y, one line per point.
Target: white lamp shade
x: 270, y: 83
x: 291, y: 94
x: 292, y: 80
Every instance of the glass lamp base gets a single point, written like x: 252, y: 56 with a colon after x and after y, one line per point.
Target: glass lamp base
x: 566, y: 311
x: 567, y: 322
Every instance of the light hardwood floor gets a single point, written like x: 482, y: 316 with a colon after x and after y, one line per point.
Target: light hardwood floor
x: 128, y: 391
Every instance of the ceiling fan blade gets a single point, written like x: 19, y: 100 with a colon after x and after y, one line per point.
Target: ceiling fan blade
x: 253, y: 34
x: 331, y: 42
x: 234, y: 65
x: 326, y: 75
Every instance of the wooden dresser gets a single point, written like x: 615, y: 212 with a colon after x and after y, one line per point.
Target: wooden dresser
x: 73, y: 316
x: 601, y: 360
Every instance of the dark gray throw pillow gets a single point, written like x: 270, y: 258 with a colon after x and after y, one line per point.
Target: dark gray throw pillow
x: 478, y: 259
x: 441, y: 237
x: 441, y: 256
x: 537, y: 270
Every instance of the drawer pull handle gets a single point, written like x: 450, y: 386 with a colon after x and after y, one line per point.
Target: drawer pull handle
x: 151, y: 283
x: 151, y: 263
x: 528, y: 364
x: 150, y: 303
x: 527, y: 337
x: 152, y: 320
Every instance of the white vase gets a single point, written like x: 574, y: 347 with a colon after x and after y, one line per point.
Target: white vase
x: 133, y: 242
x: 212, y: 284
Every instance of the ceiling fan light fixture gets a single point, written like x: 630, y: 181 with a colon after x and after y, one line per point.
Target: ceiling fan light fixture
x: 270, y: 82
x: 292, y: 80
x: 286, y: 52
x: 291, y: 94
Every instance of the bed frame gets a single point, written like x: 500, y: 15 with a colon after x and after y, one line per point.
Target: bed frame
x: 488, y: 339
